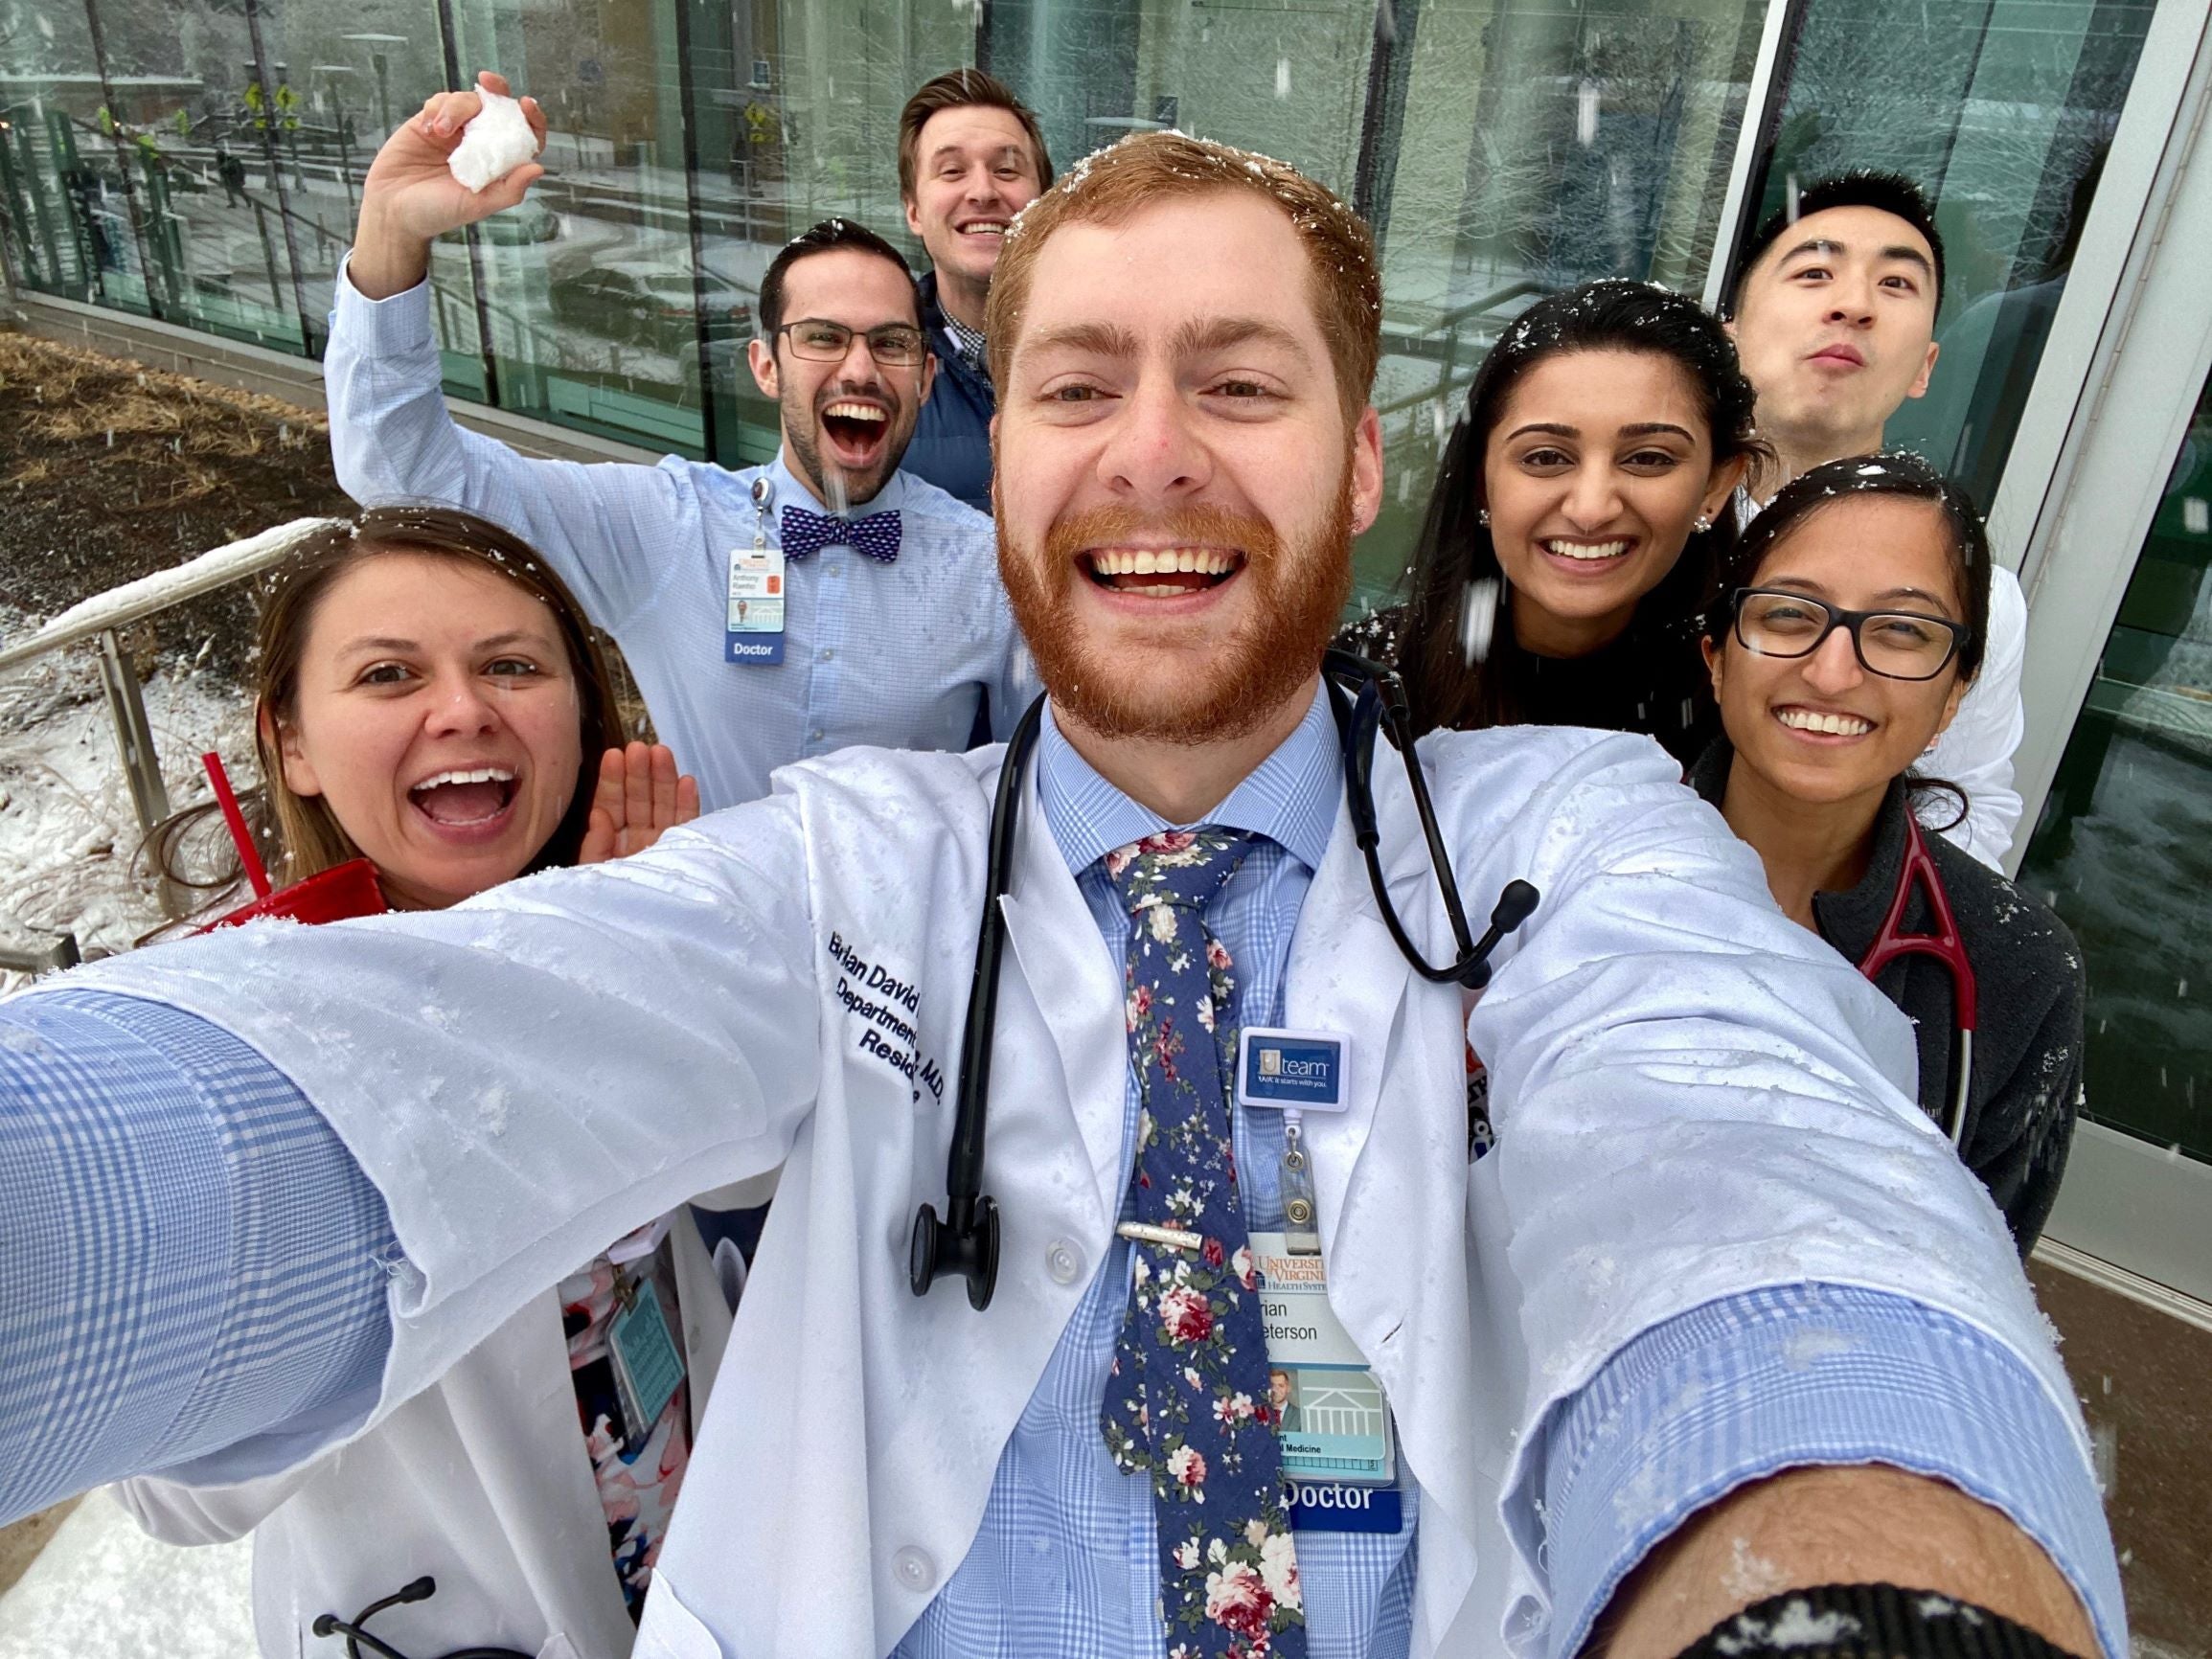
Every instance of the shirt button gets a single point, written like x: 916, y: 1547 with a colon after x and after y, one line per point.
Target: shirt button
x: 914, y: 1568
x: 836, y: 570
x: 814, y: 736
x: 828, y: 653
x: 1064, y: 1262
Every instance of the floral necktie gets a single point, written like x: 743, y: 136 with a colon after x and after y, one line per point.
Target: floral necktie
x: 1187, y: 1399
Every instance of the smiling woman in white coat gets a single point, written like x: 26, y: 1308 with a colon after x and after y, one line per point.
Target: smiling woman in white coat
x: 429, y: 699
x: 1717, y: 1319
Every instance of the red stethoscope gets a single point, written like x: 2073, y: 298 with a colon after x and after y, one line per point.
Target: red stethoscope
x: 1945, y: 943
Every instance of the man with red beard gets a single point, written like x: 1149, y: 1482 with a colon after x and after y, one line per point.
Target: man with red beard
x: 770, y: 614
x: 1717, y: 1350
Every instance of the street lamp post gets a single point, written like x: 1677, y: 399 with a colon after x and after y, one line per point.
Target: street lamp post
x: 380, y: 46
x: 331, y: 74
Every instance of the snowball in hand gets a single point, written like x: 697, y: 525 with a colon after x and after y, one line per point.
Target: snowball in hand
x: 494, y: 144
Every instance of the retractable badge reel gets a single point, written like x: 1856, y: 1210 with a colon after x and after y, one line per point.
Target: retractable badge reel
x: 754, y: 633
x: 1294, y: 1072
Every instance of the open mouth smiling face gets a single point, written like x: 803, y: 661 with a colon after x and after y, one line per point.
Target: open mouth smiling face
x: 854, y: 428
x: 467, y: 801
x: 1161, y: 573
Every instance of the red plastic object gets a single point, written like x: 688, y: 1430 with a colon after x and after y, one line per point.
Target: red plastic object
x: 342, y: 891
x: 242, y: 838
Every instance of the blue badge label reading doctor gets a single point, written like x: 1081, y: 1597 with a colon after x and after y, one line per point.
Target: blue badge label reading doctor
x: 1324, y: 1507
x: 1301, y: 1070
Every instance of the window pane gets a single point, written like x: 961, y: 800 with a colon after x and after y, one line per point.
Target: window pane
x: 77, y: 182
x: 2003, y: 110
x: 1538, y: 146
x: 2124, y: 852
x: 589, y: 285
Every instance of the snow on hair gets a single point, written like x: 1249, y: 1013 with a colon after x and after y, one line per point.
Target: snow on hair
x: 1110, y: 186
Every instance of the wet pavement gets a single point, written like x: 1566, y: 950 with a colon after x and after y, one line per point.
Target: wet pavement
x: 2143, y: 1378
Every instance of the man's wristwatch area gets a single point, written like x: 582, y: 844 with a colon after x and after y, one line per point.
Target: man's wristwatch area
x: 1869, y: 1622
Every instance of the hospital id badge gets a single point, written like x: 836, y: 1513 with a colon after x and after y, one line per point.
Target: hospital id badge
x: 649, y: 1368
x: 1294, y: 1071
x: 1332, y: 1421
x: 755, y: 629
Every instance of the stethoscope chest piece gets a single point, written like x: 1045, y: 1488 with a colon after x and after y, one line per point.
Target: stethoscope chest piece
x: 963, y: 1243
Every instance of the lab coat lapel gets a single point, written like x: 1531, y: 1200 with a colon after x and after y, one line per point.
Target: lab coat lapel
x: 1072, y: 979
x: 1390, y: 1171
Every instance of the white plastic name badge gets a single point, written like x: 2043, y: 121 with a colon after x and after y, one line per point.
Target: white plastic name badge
x: 755, y: 629
x: 1329, y: 1409
x: 1308, y: 1071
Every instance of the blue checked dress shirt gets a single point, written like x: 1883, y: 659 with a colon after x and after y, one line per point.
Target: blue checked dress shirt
x: 899, y: 655
x: 197, y: 1268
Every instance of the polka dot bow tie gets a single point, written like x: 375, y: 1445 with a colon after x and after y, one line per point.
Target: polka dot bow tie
x: 806, y: 533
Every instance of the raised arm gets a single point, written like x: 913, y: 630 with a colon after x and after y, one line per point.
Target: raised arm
x: 605, y: 527
x: 1745, y: 1253
x: 264, y: 1185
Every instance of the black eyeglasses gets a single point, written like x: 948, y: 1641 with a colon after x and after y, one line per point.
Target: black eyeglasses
x: 1898, y: 645
x: 893, y: 345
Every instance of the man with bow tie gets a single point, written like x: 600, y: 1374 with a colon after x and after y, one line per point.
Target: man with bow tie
x: 822, y: 601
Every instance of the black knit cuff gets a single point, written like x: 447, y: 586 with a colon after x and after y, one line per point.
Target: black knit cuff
x: 1869, y: 1622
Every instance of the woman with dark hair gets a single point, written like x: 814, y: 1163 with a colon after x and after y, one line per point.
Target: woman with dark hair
x: 1577, y: 519
x: 431, y: 698
x: 1851, y: 620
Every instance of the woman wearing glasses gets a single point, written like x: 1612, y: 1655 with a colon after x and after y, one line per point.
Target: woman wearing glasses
x: 1851, y: 623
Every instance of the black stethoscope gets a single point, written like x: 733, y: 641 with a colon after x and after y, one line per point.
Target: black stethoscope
x: 356, y: 1638
x: 966, y: 1240
x: 1947, y: 946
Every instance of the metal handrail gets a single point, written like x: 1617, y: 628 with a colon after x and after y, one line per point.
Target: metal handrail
x: 134, y: 602
x: 100, y: 618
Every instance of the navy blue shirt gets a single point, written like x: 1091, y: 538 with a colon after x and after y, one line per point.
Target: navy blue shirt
x: 951, y: 446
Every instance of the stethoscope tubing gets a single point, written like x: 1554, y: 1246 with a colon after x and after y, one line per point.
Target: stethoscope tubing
x: 1946, y: 944
x: 965, y: 1239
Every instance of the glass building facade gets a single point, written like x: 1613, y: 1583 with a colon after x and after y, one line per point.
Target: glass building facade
x: 199, y: 162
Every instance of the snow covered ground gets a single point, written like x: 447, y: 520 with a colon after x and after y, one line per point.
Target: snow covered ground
x: 102, y: 1587
x: 69, y: 839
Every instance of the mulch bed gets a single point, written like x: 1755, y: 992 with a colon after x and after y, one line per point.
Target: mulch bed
x: 110, y: 472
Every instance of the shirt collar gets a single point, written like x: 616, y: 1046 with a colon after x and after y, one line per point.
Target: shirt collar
x: 791, y: 490
x: 967, y: 342
x: 1291, y: 797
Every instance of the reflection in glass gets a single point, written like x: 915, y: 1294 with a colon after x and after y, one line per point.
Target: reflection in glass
x: 2002, y: 111
x: 2124, y: 852
x: 1503, y: 150
x: 588, y: 289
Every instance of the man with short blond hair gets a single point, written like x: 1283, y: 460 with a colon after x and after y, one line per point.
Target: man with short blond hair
x: 1718, y: 1344
x: 970, y: 157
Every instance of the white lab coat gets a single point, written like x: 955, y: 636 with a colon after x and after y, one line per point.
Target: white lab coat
x: 482, y: 1481
x: 1693, y: 1097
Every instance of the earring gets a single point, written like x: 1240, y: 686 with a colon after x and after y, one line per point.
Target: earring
x: 1703, y: 523
x: 1482, y: 516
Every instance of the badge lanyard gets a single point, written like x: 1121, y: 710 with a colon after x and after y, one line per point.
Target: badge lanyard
x: 1339, y: 1452
x: 754, y: 632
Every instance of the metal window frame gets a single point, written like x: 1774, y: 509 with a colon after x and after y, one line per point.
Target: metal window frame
x: 1761, y: 106
x: 2143, y: 362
